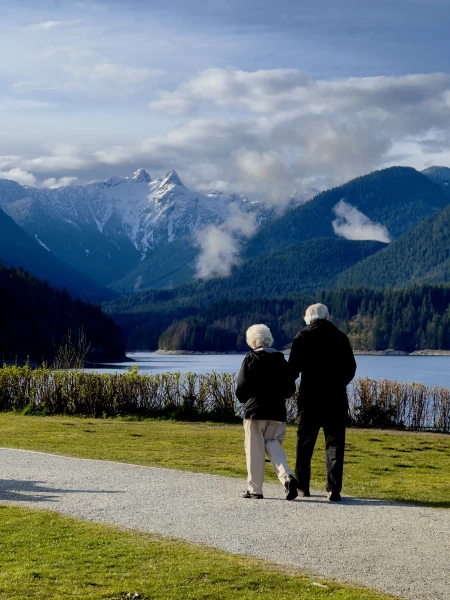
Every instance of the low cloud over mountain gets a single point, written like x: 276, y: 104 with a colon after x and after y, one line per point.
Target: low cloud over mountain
x: 352, y: 224
x: 262, y: 132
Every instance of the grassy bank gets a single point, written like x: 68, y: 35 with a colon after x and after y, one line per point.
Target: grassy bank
x: 44, y: 555
x: 407, y: 467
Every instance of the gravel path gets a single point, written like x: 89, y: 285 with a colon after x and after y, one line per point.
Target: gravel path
x: 400, y: 549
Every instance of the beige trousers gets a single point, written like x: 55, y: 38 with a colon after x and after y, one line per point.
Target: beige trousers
x: 264, y: 437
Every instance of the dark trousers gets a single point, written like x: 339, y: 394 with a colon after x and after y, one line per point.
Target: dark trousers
x: 307, y: 432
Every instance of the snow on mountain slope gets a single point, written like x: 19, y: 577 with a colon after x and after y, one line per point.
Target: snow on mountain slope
x: 105, y: 228
x: 174, y: 211
x: 439, y: 175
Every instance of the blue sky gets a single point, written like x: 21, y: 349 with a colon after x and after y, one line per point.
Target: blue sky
x: 257, y: 97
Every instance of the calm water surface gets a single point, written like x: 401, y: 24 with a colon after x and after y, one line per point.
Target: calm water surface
x: 430, y: 370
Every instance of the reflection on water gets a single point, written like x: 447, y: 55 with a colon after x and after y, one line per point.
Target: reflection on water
x: 430, y: 370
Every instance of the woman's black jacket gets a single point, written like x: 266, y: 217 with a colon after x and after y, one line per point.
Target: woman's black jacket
x: 264, y: 382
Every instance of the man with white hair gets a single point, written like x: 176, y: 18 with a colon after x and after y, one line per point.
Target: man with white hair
x: 324, y: 357
x: 263, y: 384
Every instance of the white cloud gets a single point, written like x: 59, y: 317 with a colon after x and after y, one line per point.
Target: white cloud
x: 25, y: 177
x: 262, y: 133
x: 112, y: 72
x: 264, y: 173
x: 63, y: 157
x: 46, y: 25
x: 34, y: 104
x: 256, y: 91
x: 266, y: 91
x: 291, y: 127
x: 79, y: 77
x: 220, y: 245
x: 115, y: 155
x: 8, y: 161
x: 20, y: 175
x: 354, y: 225
x: 15, y: 104
x: 54, y: 183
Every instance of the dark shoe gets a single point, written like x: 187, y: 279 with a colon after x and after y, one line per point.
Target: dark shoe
x: 290, y: 486
x: 304, y: 493
x: 248, y: 494
x: 334, y: 497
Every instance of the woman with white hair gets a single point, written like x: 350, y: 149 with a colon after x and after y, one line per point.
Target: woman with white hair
x: 263, y: 384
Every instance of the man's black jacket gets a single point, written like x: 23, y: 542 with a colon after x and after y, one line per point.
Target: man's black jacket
x: 323, y: 355
x: 264, y: 382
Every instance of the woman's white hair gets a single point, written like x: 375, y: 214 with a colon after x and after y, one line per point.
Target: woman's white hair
x: 315, y: 312
x: 259, y: 336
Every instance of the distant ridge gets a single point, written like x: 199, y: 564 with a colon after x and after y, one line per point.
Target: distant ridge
x: 397, y: 198
x: 136, y: 233
x: 440, y: 176
x: 18, y: 249
x: 420, y: 256
x: 106, y: 229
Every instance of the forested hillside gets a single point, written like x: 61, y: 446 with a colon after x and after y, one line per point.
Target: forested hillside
x: 302, y: 268
x: 408, y: 319
x: 35, y: 319
x: 166, y: 267
x: 439, y: 175
x: 18, y: 249
x: 420, y: 256
x: 397, y: 198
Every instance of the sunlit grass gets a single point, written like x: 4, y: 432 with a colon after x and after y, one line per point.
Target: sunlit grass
x: 411, y: 467
x: 44, y: 555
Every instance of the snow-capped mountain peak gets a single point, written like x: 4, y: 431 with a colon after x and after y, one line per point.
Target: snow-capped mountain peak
x: 141, y: 176
x: 112, y: 181
x: 135, y: 213
x: 302, y: 194
x: 105, y: 228
x: 171, y: 178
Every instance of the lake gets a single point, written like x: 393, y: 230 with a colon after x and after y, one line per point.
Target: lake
x: 430, y: 370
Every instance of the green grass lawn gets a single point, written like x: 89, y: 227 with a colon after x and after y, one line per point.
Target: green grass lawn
x: 44, y: 555
x: 408, y: 467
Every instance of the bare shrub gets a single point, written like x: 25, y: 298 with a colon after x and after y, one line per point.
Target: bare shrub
x: 212, y: 396
x: 72, y: 354
x: 402, y: 405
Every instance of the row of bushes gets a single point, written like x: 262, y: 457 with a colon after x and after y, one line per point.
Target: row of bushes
x: 45, y: 391
x: 401, y: 405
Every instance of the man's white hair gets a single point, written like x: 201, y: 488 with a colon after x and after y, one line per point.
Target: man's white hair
x: 259, y: 336
x: 315, y: 312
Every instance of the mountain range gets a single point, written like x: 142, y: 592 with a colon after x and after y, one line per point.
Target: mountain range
x: 304, y: 250
x: 394, y: 200
x: 105, y: 229
x: 137, y: 233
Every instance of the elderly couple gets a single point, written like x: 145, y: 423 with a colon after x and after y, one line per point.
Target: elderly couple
x: 323, y: 355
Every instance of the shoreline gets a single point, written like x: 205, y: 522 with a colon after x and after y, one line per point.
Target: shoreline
x: 388, y: 352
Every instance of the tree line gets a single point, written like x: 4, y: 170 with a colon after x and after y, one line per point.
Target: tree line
x: 407, y: 319
x: 36, y: 319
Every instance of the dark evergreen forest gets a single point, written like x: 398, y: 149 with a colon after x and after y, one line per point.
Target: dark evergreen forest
x: 35, y: 319
x: 18, y: 249
x: 398, y: 197
x: 407, y: 319
x: 419, y: 256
